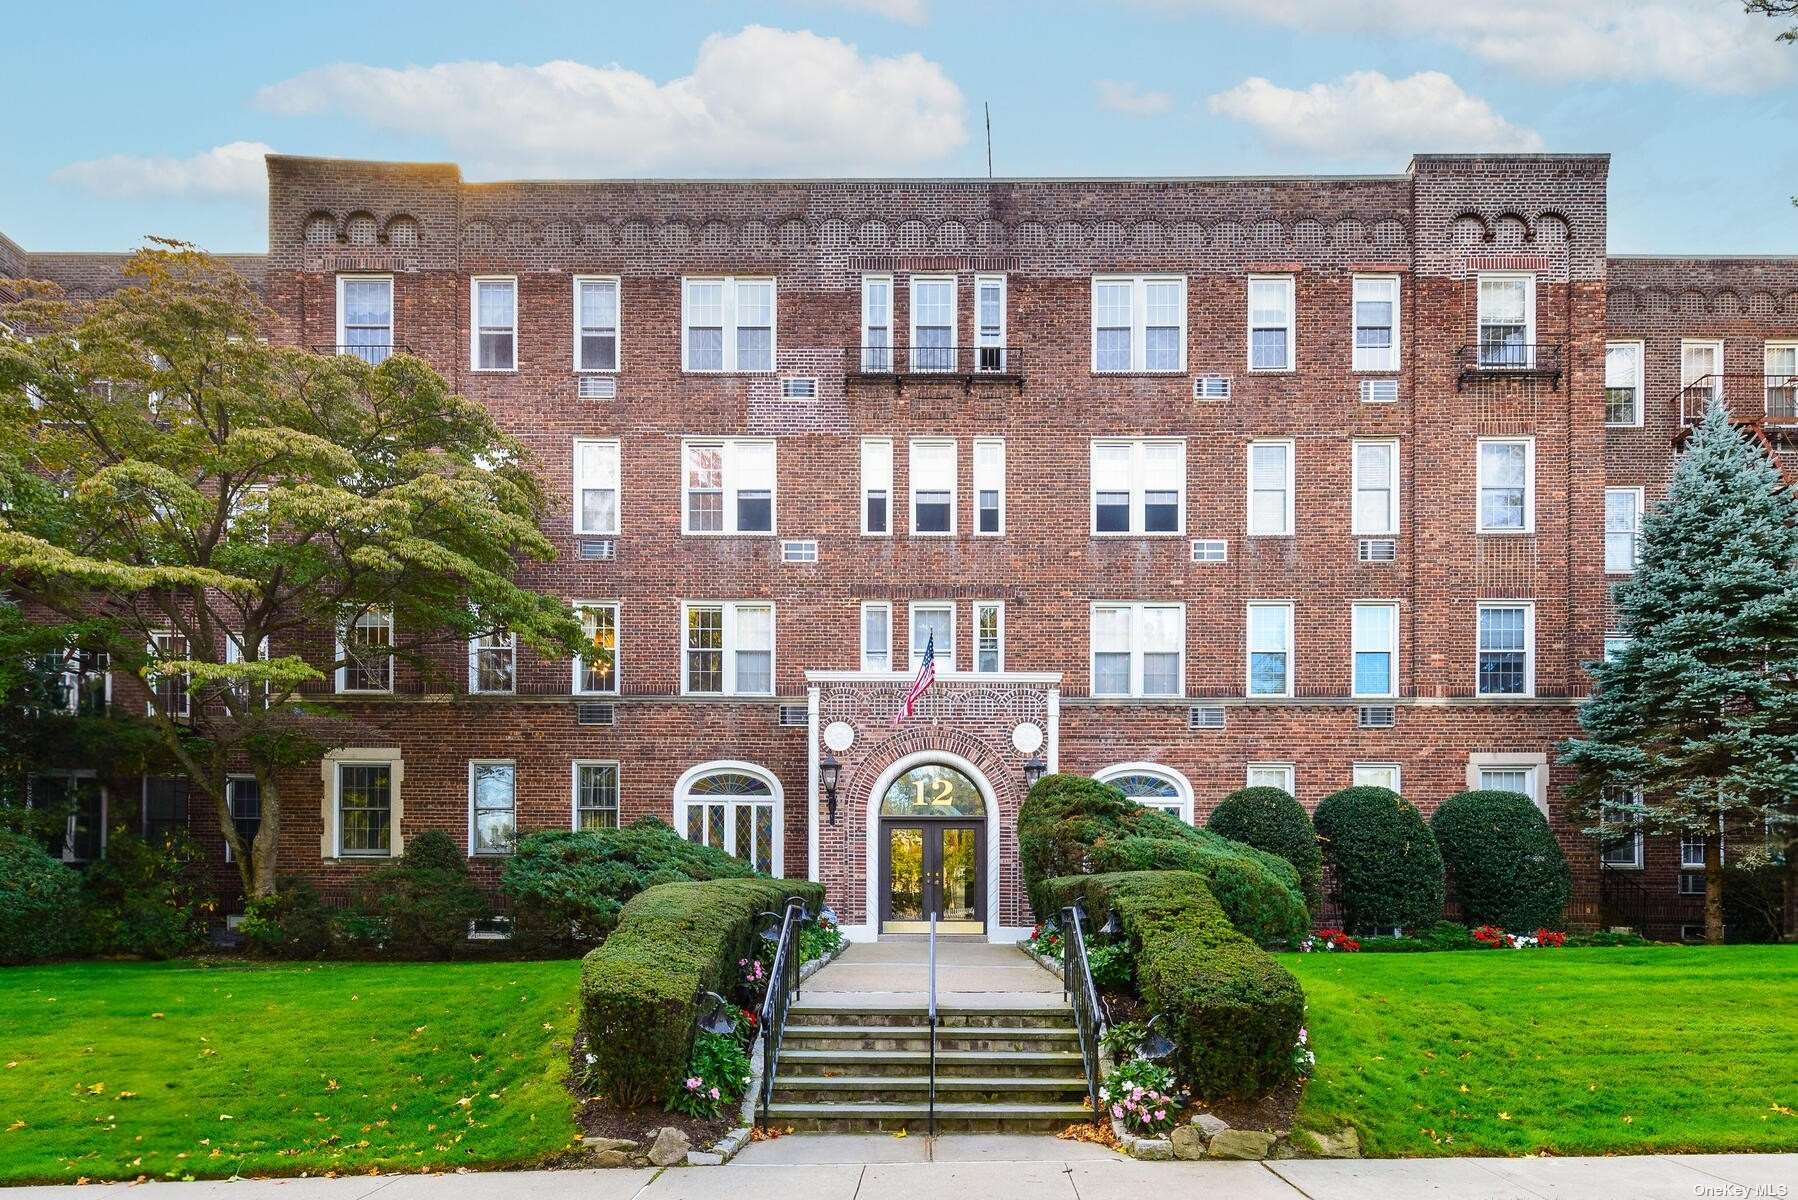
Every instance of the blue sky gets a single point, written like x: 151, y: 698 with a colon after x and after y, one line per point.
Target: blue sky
x: 154, y: 116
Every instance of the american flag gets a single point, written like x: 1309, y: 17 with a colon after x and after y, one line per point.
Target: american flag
x: 925, y: 677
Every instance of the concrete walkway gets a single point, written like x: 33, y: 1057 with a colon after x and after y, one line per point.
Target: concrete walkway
x: 896, y: 973
x: 1006, y: 1169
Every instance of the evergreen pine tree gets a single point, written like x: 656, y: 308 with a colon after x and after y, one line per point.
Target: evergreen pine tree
x: 1693, y: 724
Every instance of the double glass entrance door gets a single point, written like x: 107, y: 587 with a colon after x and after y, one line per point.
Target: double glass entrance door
x: 933, y: 867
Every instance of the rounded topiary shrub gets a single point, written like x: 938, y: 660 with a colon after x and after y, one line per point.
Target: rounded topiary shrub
x: 1271, y: 819
x: 1508, y: 868
x: 1388, y: 869
x: 40, y: 904
x: 422, y: 905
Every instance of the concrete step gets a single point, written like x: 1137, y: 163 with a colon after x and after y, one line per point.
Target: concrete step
x: 910, y: 1037
x: 1032, y: 1016
x: 839, y: 1117
x: 949, y: 1063
x: 902, y: 1089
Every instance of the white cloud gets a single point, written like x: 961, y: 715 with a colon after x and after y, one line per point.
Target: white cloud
x: 1121, y: 97
x: 1365, y: 114
x: 906, y: 12
x: 1710, y: 45
x: 759, y: 102
x: 234, y: 170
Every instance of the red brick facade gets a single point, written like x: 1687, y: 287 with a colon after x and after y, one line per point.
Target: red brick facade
x: 1437, y: 228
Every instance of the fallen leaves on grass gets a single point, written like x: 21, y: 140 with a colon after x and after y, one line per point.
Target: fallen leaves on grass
x: 1087, y: 1131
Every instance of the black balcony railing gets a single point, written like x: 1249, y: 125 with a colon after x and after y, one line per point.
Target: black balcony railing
x: 372, y: 354
x: 953, y: 361
x: 1752, y: 399
x: 1505, y: 359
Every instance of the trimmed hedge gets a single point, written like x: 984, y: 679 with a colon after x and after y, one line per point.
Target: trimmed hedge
x: 566, y: 887
x: 1233, y: 1012
x: 1508, y: 868
x: 672, y: 942
x: 1272, y: 819
x: 41, y: 914
x: 1387, y: 865
x: 1072, y: 825
x: 421, y: 906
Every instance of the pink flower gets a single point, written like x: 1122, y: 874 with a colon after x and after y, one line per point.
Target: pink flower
x: 714, y: 1093
x: 693, y: 1082
x: 1161, y: 1114
x: 1117, y: 1110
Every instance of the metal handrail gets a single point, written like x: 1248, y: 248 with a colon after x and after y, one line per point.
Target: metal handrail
x: 930, y: 1119
x: 1490, y: 358
x: 1077, y: 985
x: 783, y: 987
x: 1747, y: 395
x: 1000, y: 361
x: 374, y: 354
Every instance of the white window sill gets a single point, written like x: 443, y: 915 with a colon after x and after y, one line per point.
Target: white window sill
x: 493, y: 370
x: 359, y: 692
x: 1159, y: 373
x: 492, y: 692
x: 701, y: 371
x: 1272, y: 370
x: 596, y: 370
x: 946, y: 534
x: 613, y: 694
x: 1505, y: 532
x: 1174, y: 534
x: 722, y: 533
x: 1287, y: 534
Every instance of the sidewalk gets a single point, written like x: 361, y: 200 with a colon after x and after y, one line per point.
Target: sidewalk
x: 998, y: 1168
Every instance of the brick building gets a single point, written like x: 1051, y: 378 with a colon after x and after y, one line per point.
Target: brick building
x: 1187, y: 483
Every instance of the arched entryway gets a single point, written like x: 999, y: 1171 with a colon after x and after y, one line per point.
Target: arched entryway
x: 933, y: 847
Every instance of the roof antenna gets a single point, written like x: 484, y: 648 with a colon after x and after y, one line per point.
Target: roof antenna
x: 989, y: 137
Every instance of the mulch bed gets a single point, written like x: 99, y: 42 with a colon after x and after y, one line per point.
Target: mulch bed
x: 597, y: 1118
x: 1273, y: 1112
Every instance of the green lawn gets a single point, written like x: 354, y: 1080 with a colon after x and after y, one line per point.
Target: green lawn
x: 115, y: 1070
x: 1570, y: 1051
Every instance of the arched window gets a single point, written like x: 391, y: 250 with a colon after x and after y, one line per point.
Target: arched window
x: 1154, y: 786
x: 733, y: 807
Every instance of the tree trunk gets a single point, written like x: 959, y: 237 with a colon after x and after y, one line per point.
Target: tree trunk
x: 1791, y: 896
x: 263, y: 855
x: 1713, y: 890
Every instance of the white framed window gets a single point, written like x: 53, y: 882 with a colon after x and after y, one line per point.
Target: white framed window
x: 729, y: 486
x: 989, y: 636
x: 1506, y: 312
x: 1622, y: 529
x: 595, y: 322
x: 1271, y: 322
x: 933, y: 322
x: 365, y: 652
x: 1780, y: 362
x: 595, y: 794
x: 1383, y: 775
x: 1138, y: 649
x: 1375, y: 639
x: 877, y: 323
x: 164, y: 813
x: 170, y: 691
x: 989, y: 487
x: 1152, y: 786
x: 932, y: 623
x: 1505, y: 771
x: 734, y: 807
x: 493, y: 662
x: 234, y: 655
x: 365, y: 317
x: 243, y: 800
x: 596, y: 477
x: 84, y: 680
x: 85, y: 800
x: 1376, y: 323
x: 877, y: 636
x: 727, y: 324
x: 1139, y: 487
x: 728, y: 649
x: 1375, y: 470
x: 1139, y: 323
x: 989, y: 322
x: 1623, y: 383
x: 1507, y: 649
x: 933, y: 470
x: 363, y: 795
x: 493, y: 323
x: 1691, y: 851
x: 1507, y: 485
x: 1269, y: 645
x: 1614, y: 644
x: 1272, y: 482
x: 877, y: 487
x: 1621, y: 844
x: 248, y: 513
x: 492, y: 805
x: 1519, y: 779
x: 1274, y: 775
x: 1701, y: 367
x: 596, y: 673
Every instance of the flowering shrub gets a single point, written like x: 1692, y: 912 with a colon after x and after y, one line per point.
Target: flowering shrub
x: 1303, y: 1060
x: 1550, y: 938
x: 1491, y: 935
x: 717, y: 1075
x: 1140, y: 1095
x: 1330, y: 939
x: 819, y: 940
x: 1046, y: 941
x: 754, y: 976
